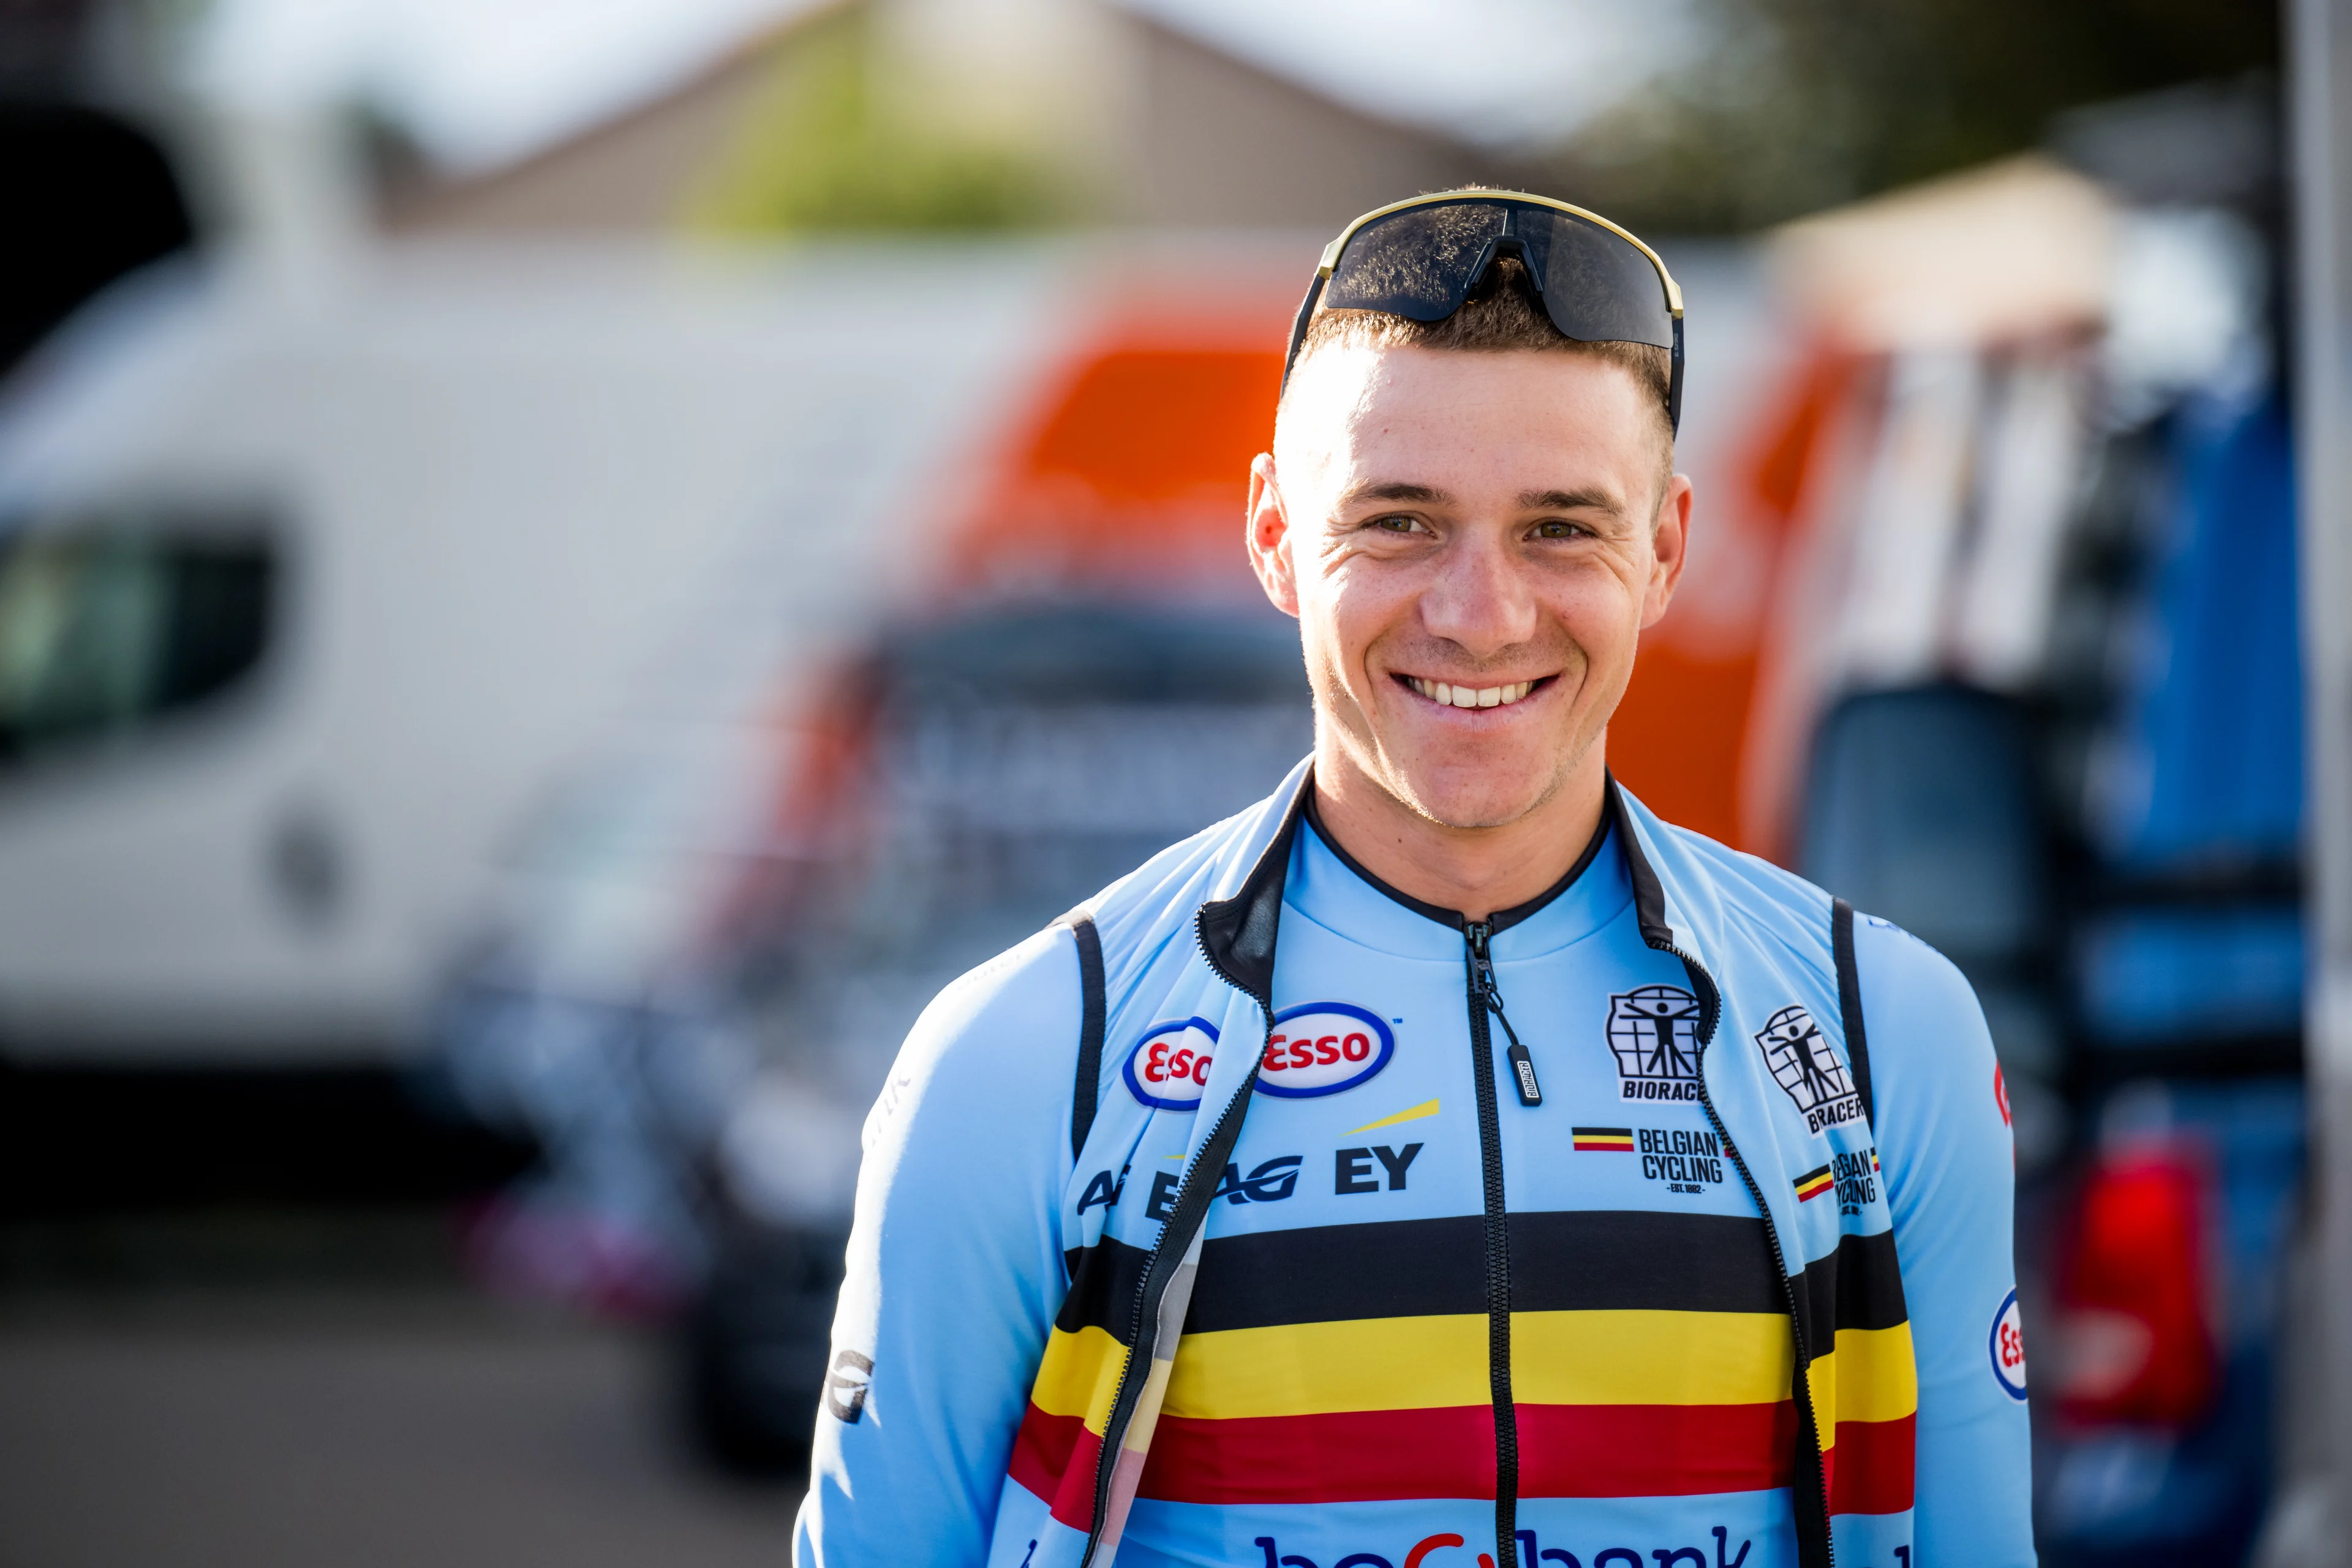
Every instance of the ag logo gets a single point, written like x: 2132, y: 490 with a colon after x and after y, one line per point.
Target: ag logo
x: 2008, y: 1348
x: 1323, y: 1047
x: 1168, y: 1067
x: 1653, y: 1030
x: 1807, y: 1065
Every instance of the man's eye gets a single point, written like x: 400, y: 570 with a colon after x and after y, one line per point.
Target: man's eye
x: 1555, y: 529
x: 1397, y: 524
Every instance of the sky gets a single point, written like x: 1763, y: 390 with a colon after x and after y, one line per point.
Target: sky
x: 478, y: 83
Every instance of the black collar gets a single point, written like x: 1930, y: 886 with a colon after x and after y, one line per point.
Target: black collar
x: 1501, y: 920
x: 1237, y: 934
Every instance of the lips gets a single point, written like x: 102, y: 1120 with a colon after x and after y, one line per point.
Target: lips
x: 1454, y: 696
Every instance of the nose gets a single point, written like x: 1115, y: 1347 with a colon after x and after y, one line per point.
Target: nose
x: 1480, y: 598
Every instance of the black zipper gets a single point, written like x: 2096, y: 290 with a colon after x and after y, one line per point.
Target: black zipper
x: 1483, y: 988
x: 1481, y: 972
x: 1710, y: 1012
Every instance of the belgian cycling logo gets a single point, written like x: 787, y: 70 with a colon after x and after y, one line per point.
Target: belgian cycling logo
x: 1168, y: 1067
x: 1321, y: 1048
x: 1653, y: 1030
x: 1806, y: 1065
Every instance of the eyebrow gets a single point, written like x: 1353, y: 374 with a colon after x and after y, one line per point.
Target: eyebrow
x: 1571, y: 500
x: 1398, y: 489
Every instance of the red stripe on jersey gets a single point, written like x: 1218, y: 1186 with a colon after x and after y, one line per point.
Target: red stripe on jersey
x: 1054, y: 1457
x: 1871, y: 1466
x: 1654, y: 1451
x: 1565, y: 1450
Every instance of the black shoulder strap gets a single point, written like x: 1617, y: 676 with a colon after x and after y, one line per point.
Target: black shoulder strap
x: 1857, y: 1041
x: 1088, y: 1083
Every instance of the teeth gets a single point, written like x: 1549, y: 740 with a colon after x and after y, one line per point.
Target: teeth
x: 1471, y: 697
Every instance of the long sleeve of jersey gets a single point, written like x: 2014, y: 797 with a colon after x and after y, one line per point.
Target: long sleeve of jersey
x: 954, y: 1271
x: 1944, y: 1144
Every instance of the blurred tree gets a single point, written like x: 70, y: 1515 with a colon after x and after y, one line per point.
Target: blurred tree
x: 1800, y: 104
x: 830, y: 146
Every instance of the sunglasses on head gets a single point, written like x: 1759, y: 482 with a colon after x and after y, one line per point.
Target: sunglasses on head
x: 1422, y: 259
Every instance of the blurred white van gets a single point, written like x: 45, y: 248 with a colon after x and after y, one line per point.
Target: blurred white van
x: 315, y: 584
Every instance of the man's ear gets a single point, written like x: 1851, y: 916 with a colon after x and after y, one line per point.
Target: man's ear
x: 1669, y: 549
x: 1269, y: 537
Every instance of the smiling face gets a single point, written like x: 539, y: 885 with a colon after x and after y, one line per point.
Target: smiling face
x: 1473, y: 543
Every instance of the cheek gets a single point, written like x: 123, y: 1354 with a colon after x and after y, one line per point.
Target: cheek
x: 1341, y: 617
x: 1602, y: 605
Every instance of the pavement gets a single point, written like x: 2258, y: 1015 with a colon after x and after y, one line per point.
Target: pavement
x: 286, y: 1428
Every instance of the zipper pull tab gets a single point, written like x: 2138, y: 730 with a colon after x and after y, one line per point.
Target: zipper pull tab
x: 1524, y: 1067
x: 1482, y: 982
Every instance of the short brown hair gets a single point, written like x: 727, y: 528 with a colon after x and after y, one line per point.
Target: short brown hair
x: 1502, y: 314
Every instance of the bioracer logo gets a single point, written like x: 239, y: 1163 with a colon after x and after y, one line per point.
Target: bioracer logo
x: 1169, y: 1068
x: 1806, y: 1065
x: 1653, y: 1031
x: 1323, y: 1047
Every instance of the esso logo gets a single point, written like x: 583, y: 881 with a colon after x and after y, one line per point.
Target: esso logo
x: 1169, y: 1066
x: 2008, y: 1348
x: 1322, y: 1048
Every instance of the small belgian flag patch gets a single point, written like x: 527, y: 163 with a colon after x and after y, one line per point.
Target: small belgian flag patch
x: 1603, y: 1139
x: 1813, y: 1184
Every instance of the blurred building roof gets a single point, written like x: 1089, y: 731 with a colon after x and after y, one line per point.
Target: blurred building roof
x: 2010, y: 250
x: 1129, y: 121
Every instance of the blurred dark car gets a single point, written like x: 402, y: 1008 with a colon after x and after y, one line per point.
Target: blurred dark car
x: 1016, y: 763
x: 951, y: 793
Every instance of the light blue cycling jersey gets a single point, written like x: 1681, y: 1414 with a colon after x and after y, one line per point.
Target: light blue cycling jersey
x: 1334, y: 1400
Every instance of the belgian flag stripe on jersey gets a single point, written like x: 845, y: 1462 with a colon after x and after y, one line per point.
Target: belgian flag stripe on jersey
x: 1105, y: 1281
x: 1561, y: 1358
x: 1651, y: 1356
x: 1869, y: 1377
x: 1859, y: 1286
x: 1871, y: 1466
x: 1813, y: 1184
x: 1562, y: 1261
x: 1054, y: 1458
x: 1569, y: 1451
x: 1603, y: 1139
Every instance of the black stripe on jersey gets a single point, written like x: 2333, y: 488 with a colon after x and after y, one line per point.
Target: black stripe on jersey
x: 1578, y: 1260
x: 1105, y: 1281
x: 1859, y: 1286
x: 1590, y: 1260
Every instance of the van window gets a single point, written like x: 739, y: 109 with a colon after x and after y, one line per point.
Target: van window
x: 102, y: 633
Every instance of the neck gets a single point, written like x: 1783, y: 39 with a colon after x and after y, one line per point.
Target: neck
x: 1474, y: 871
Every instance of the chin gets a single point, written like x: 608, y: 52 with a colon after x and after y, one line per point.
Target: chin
x: 1473, y: 798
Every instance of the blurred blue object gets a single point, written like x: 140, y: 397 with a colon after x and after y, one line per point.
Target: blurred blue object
x: 2156, y: 975
x: 1921, y: 811
x: 2208, y: 767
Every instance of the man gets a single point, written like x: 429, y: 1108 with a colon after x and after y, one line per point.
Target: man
x: 1444, y: 1161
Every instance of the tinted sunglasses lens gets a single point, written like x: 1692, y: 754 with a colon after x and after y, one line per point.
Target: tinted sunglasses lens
x: 1597, y: 287
x: 1419, y: 263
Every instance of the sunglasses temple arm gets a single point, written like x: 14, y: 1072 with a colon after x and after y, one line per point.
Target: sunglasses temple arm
x: 1673, y: 381
x: 1306, y: 314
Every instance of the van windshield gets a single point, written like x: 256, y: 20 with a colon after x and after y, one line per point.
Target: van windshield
x: 102, y: 633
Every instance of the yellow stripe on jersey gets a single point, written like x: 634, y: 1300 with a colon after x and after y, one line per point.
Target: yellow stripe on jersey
x: 1870, y: 1376
x: 1079, y: 1375
x: 1652, y: 1358
x: 1430, y: 1363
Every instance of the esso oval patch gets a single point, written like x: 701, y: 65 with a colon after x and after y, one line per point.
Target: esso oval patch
x: 2008, y: 1348
x: 1169, y: 1068
x: 1323, y: 1047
